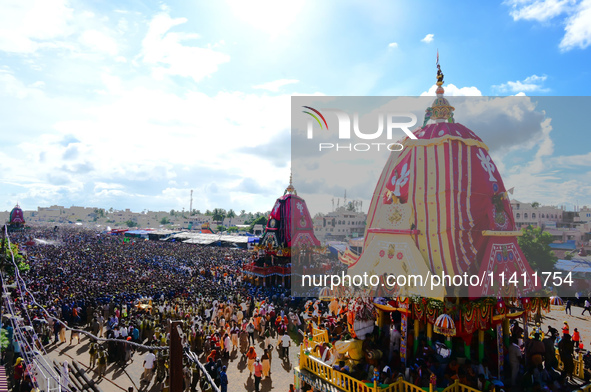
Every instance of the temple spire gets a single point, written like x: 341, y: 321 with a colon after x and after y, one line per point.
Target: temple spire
x: 440, y: 110
x: 290, y: 188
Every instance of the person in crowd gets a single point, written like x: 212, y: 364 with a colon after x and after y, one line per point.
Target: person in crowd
x: 251, y: 356
x: 514, y: 355
x: 149, y: 364
x: 285, y: 343
x: 266, y: 363
x: 258, y: 373
x: 224, y: 380
x: 566, y: 351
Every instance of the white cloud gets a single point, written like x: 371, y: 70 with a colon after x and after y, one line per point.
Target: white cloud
x: 578, y: 28
x: 270, y: 16
x: 99, y: 186
x: 539, y: 10
x: 11, y: 87
x: 99, y: 41
x: 165, y: 51
x: 274, y: 86
x: 452, y: 90
x: 530, y: 84
x: 428, y: 38
x: 26, y: 25
x: 577, y: 18
x: 573, y: 160
x: 393, y: 45
x: 133, y: 140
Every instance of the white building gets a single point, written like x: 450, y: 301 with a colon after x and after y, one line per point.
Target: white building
x: 339, y: 225
x: 525, y: 215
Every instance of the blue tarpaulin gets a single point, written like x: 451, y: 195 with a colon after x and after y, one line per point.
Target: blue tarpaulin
x: 568, y: 245
x: 575, y: 265
x: 335, y: 248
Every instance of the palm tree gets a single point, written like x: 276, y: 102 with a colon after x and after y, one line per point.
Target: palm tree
x: 218, y: 214
x: 231, y: 214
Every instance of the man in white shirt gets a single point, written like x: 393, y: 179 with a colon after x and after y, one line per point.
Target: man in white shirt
x: 514, y: 355
x: 285, y: 343
x: 149, y: 360
x: 394, y: 341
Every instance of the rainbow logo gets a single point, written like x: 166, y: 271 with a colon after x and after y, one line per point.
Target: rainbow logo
x: 316, y: 118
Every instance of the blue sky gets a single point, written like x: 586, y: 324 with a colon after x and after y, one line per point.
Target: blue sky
x: 133, y: 104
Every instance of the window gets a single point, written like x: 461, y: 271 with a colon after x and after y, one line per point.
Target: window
x: 533, y: 215
x: 518, y: 215
x: 525, y: 215
x: 542, y: 215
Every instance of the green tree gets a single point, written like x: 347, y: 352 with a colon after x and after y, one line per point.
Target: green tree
x: 130, y: 223
x: 3, y: 339
x: 242, y: 212
x: 164, y: 221
x: 207, y: 212
x: 218, y: 214
x: 260, y: 220
x: 221, y: 228
x: 231, y: 214
x: 172, y: 212
x: 18, y: 259
x: 535, y: 245
x: 232, y: 229
x: 535, y: 204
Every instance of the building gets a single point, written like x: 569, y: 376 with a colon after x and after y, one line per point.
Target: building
x: 340, y: 225
x: 537, y: 216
